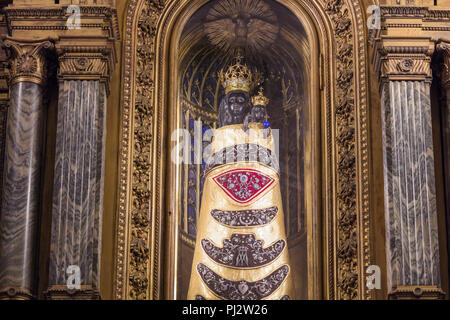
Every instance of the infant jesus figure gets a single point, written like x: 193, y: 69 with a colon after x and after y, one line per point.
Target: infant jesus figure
x: 258, y: 113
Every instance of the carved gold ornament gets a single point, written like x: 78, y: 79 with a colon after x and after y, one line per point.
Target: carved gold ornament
x: 28, y: 60
x: 237, y: 77
x: 404, y: 62
x: 241, y: 23
x: 260, y: 99
x: 26, y: 64
x: 81, y: 64
x: 78, y: 64
x: 405, y: 65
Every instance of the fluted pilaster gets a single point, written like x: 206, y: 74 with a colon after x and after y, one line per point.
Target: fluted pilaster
x: 79, y: 170
x: 78, y: 188
x: 409, y: 178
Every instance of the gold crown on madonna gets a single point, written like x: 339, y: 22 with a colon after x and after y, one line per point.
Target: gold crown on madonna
x: 237, y: 77
x: 260, y: 99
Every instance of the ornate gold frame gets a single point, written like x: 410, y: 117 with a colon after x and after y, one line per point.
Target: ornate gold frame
x: 338, y: 212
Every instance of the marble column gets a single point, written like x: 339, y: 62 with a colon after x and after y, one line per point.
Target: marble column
x: 78, y: 181
x: 22, y: 170
x: 409, y: 179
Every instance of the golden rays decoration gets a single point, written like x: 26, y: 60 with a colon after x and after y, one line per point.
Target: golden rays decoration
x: 249, y: 24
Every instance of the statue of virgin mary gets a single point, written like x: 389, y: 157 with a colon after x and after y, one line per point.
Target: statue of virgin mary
x: 241, y: 250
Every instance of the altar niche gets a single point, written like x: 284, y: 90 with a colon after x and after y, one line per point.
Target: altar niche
x: 326, y: 49
x: 274, y: 44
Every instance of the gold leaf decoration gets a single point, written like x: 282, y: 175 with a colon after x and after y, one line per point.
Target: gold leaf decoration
x: 248, y: 24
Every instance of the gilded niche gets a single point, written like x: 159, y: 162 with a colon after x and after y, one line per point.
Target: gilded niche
x: 268, y: 67
x: 139, y: 264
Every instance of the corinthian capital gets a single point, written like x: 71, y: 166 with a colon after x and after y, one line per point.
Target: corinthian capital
x: 27, y: 59
x: 443, y: 49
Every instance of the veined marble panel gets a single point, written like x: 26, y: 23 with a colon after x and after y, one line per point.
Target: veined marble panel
x: 78, y: 182
x: 21, y: 186
x: 409, y: 179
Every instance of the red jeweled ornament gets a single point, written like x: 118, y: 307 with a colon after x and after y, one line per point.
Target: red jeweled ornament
x: 243, y: 185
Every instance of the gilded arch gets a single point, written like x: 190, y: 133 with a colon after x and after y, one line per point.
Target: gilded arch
x: 150, y: 24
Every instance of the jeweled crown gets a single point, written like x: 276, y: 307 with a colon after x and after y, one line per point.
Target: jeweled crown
x: 237, y: 77
x: 260, y: 99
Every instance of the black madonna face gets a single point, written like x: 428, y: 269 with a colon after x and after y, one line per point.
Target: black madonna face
x: 237, y: 102
x: 259, y: 113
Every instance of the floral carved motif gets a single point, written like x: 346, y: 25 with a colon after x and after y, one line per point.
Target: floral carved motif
x: 140, y: 231
x: 347, y: 258
x: 81, y: 64
x: 405, y: 65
